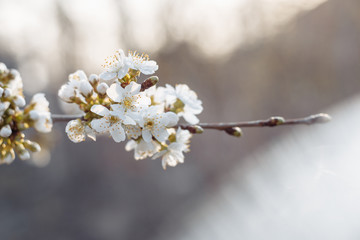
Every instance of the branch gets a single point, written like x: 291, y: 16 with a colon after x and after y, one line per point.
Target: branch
x: 232, y: 128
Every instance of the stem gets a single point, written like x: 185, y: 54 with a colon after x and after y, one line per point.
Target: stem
x: 271, y: 122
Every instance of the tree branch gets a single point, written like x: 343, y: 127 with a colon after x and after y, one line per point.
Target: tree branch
x: 232, y: 126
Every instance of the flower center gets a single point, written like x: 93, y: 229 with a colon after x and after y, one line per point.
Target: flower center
x: 149, y: 124
x: 113, y: 62
x: 137, y: 58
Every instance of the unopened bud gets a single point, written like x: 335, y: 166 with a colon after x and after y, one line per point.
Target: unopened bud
x: 234, y: 131
x: 20, y: 101
x: 5, y: 131
x: 148, y: 83
x: 195, y: 129
x: 101, y: 88
x: 93, y: 78
x: 32, y: 146
x: 275, y: 121
x: 85, y: 88
x: 9, y: 157
x: 22, y: 152
x: 7, y: 92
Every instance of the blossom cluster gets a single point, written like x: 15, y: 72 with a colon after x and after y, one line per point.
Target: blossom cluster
x: 16, y: 116
x: 115, y: 104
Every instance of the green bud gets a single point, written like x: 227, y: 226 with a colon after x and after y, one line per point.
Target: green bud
x: 234, y: 131
x: 275, y: 121
x: 195, y: 129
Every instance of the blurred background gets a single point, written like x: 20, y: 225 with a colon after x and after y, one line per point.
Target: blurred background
x: 247, y: 60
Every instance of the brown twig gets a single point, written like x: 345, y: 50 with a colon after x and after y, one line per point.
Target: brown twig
x: 232, y: 128
x: 271, y: 122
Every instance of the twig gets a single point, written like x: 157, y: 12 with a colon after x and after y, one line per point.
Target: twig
x: 271, y: 122
x: 232, y: 126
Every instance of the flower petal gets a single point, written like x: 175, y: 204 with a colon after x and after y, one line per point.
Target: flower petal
x: 100, y: 110
x: 100, y: 125
x: 117, y: 132
x: 146, y: 134
x: 161, y: 134
x: 107, y: 76
x: 191, y: 118
x: 115, y: 92
x: 172, y: 119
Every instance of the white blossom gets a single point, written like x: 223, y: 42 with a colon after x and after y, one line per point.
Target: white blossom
x: 111, y: 122
x: 142, y: 149
x: 192, y: 105
x: 116, y: 66
x: 40, y: 113
x: 173, y: 154
x: 77, y: 131
x: 142, y: 63
x: 155, y: 123
x: 76, y: 78
x: 130, y: 98
x: 66, y: 92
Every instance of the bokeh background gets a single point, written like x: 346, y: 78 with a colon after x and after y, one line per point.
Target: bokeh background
x: 246, y: 59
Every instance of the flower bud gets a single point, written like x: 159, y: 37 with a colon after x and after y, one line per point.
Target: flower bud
x: 85, y: 88
x: 4, y: 106
x: 5, y: 131
x: 148, y: 83
x: 101, y: 88
x: 9, y: 157
x: 195, y: 129
x: 235, y: 131
x: 24, y: 155
x: 7, y: 92
x: 93, y: 78
x: 66, y: 92
x: 20, y: 101
x: 32, y: 146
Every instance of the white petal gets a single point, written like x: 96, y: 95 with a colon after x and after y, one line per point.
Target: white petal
x: 100, y: 110
x: 118, y: 108
x: 133, y: 87
x: 160, y: 134
x: 159, y: 154
x: 146, y: 134
x: 130, y: 145
x: 123, y: 71
x: 107, y: 76
x: 117, y: 132
x: 100, y: 125
x: 172, y: 119
x: 115, y: 92
x: 191, y: 118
